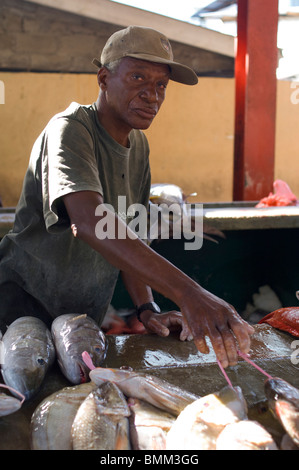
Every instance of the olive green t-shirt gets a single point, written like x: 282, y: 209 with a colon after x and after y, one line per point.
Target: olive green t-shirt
x: 40, y: 254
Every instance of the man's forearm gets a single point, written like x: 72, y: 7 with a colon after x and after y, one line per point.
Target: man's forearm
x: 130, y: 254
x: 139, y: 292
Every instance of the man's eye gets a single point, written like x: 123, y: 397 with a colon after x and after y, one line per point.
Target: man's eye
x: 137, y: 77
x: 162, y: 86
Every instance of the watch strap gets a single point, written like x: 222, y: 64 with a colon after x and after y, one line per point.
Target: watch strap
x: 147, y: 306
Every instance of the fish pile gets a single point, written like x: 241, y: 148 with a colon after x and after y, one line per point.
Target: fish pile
x: 121, y: 409
x: 29, y: 349
x: 124, y: 410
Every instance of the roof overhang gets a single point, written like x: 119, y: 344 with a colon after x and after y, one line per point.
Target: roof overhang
x: 123, y: 15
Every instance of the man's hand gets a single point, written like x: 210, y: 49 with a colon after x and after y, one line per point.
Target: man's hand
x: 161, y: 324
x: 209, y: 316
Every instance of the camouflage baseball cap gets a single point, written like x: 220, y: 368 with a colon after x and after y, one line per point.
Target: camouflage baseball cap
x: 147, y: 44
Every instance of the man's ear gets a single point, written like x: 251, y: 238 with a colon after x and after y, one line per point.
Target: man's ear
x: 102, y: 78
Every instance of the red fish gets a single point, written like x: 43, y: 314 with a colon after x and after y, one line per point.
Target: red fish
x: 282, y: 196
x: 286, y: 319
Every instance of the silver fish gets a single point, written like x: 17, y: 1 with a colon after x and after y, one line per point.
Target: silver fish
x: 101, y: 422
x: 165, y: 195
x: 283, y: 399
x: 51, y: 422
x: 8, y: 405
x: 159, y: 393
x: 245, y: 435
x: 168, y: 193
x: 72, y: 334
x: 28, y: 352
x: 148, y: 425
x: 199, y: 424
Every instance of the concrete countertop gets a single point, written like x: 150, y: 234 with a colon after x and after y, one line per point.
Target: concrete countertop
x: 222, y: 216
x: 242, y: 217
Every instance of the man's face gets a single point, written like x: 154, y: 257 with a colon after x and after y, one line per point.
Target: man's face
x: 135, y: 92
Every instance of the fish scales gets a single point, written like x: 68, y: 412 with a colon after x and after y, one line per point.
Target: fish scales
x: 28, y: 352
x: 51, y: 422
x: 101, y: 422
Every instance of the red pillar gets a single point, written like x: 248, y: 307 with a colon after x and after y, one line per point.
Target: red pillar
x: 255, y: 111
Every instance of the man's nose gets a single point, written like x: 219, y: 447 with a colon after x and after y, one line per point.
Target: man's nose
x: 150, y: 93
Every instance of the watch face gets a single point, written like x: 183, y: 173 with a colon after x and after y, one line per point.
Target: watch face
x: 156, y: 307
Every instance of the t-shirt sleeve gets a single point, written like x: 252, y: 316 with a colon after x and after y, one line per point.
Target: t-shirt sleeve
x: 69, y: 165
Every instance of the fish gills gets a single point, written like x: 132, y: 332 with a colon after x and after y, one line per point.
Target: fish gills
x: 101, y: 422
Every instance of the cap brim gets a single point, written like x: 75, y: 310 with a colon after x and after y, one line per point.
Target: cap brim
x: 178, y: 72
x: 97, y: 63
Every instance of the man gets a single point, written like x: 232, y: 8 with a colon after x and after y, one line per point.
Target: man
x: 55, y: 261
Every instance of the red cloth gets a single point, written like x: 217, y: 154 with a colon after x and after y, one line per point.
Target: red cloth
x: 286, y: 319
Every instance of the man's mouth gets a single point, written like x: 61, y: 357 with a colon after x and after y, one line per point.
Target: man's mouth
x: 147, y: 113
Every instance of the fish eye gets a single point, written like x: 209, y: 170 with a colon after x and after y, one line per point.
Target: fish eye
x: 41, y: 361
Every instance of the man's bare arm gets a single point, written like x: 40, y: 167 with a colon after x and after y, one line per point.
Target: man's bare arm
x: 205, y: 313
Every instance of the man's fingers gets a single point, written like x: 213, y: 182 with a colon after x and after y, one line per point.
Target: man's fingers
x: 201, y: 344
x: 157, y: 327
x: 243, y: 332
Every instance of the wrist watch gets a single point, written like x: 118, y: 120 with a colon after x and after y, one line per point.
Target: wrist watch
x: 148, y: 306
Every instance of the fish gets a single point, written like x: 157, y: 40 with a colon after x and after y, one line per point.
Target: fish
x: 8, y: 404
x: 171, y: 202
x: 28, y: 352
x: 101, y: 422
x: 148, y: 425
x: 285, y: 319
x: 198, y: 426
x: 167, y: 193
x: 245, y: 435
x: 151, y: 389
x: 52, y: 420
x: 72, y: 334
x: 281, y: 196
x: 283, y: 399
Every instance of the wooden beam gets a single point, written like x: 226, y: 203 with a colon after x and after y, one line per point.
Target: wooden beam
x: 255, y: 108
x: 124, y: 15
